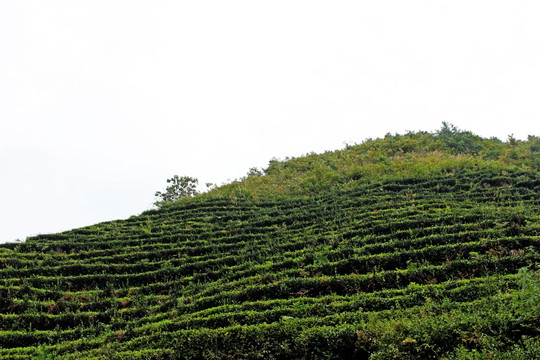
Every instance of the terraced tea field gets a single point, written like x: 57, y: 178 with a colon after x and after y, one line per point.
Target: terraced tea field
x: 409, y: 268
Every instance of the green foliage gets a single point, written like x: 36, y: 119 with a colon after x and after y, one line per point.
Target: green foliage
x: 489, y: 328
x: 526, y: 304
x: 415, y: 154
x: 43, y: 354
x: 254, y: 172
x: 179, y: 188
x: 458, y: 141
x: 397, y: 248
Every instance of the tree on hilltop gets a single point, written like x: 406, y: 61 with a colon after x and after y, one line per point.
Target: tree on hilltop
x: 180, y: 187
x: 459, y: 141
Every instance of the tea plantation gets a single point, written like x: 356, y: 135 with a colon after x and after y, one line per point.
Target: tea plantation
x: 377, y: 251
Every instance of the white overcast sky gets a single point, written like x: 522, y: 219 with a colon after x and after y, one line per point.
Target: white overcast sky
x: 102, y: 101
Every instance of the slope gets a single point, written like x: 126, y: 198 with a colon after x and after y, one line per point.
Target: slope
x: 323, y: 257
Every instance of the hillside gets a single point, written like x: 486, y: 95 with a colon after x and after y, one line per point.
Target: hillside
x: 415, y: 246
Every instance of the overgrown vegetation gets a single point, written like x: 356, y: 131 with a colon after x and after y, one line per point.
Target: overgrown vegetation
x: 415, y: 154
x: 416, y: 246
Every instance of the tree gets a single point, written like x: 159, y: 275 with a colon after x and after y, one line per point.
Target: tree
x: 255, y: 172
x: 459, y: 141
x: 180, y: 187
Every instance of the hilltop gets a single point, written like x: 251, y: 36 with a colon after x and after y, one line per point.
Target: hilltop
x: 413, y: 155
x: 415, y: 246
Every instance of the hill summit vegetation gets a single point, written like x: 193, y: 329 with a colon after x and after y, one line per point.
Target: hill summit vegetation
x: 413, y: 155
x: 416, y: 246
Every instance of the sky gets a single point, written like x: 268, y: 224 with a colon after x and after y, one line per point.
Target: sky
x: 102, y: 101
